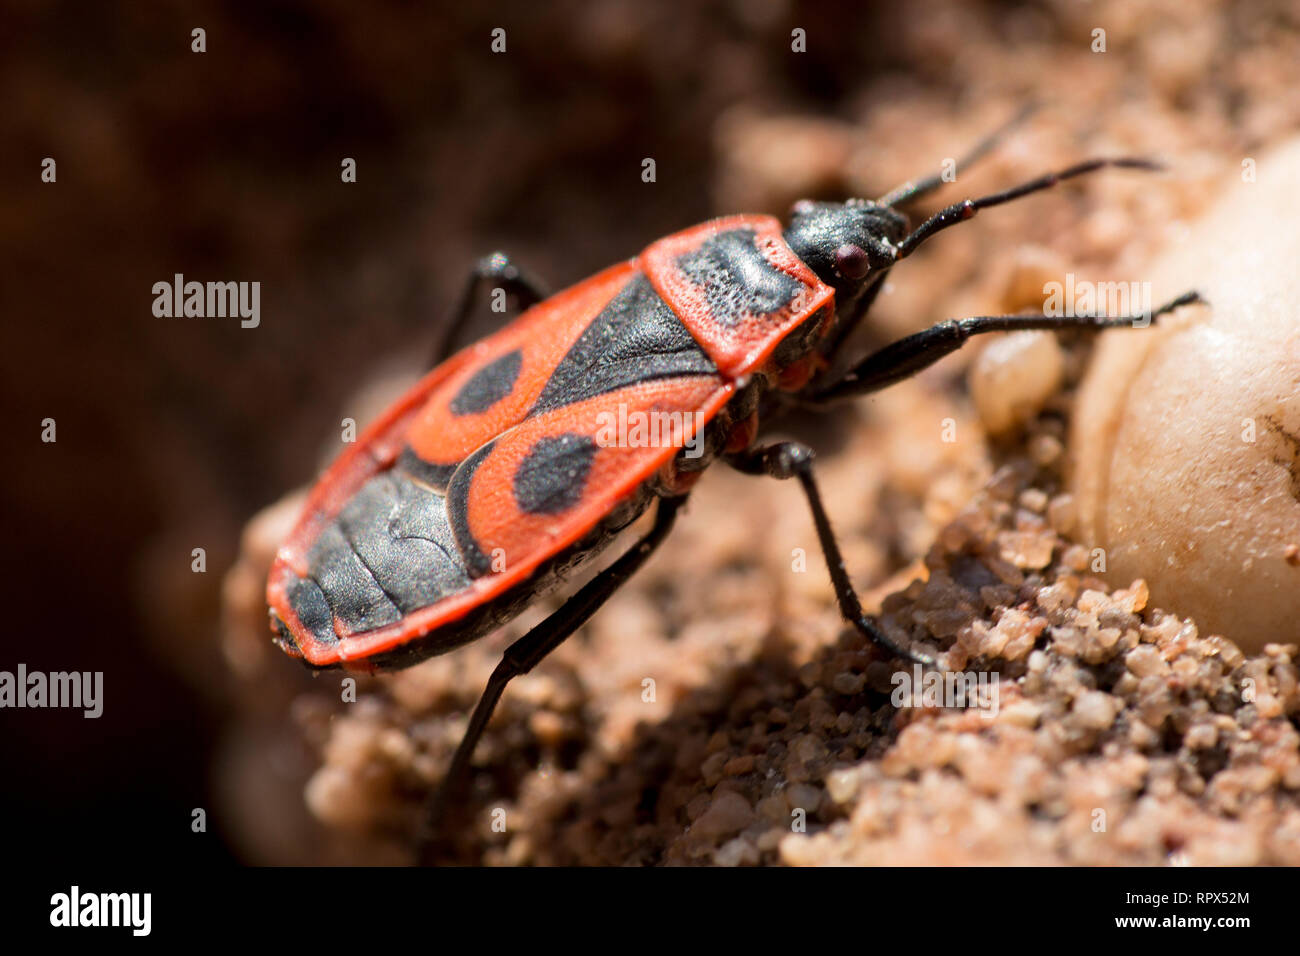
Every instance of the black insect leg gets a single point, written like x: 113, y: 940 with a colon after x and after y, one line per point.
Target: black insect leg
x: 525, y: 654
x: 844, y: 329
x: 498, y: 270
x: 909, y: 355
x: 793, y: 460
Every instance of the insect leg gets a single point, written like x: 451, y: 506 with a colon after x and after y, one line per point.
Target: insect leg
x: 840, y: 334
x: 524, y: 654
x: 793, y: 460
x: 909, y: 355
x: 501, y: 271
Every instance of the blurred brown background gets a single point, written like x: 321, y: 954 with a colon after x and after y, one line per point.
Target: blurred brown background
x: 225, y: 166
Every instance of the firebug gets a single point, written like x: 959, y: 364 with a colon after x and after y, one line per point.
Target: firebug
x: 494, y: 477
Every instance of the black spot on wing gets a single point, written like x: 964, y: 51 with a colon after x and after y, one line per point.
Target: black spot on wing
x: 477, y: 563
x: 550, y: 479
x: 488, y: 385
x: 401, y: 533
x: 735, y: 277
x: 635, y: 338
x: 354, y: 595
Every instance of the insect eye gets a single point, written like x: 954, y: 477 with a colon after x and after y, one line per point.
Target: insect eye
x: 851, y: 261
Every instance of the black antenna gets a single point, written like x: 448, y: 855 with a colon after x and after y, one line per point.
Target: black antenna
x: 967, y: 208
x: 913, y: 190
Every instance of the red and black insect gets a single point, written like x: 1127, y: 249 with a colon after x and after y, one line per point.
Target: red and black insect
x: 487, y: 482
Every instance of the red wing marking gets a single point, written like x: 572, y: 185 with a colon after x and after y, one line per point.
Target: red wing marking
x: 551, y: 479
x: 459, y: 418
x: 714, y: 295
x: 492, y: 494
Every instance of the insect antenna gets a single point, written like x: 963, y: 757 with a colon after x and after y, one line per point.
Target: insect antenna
x: 967, y: 208
x: 915, y: 189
